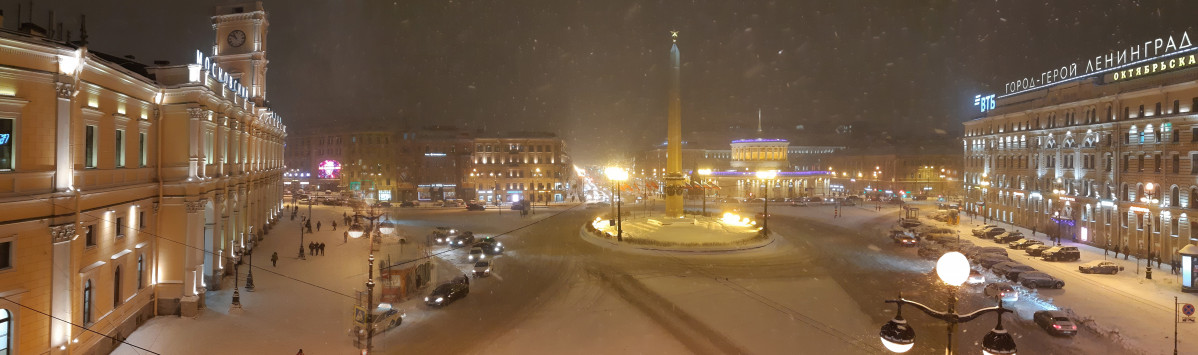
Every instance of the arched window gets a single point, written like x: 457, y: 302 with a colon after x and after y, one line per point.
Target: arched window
x: 116, y: 287
x: 141, y: 271
x: 6, y: 334
x: 87, y: 302
x: 1175, y: 197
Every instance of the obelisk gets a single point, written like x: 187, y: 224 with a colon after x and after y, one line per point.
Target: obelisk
x: 674, y: 179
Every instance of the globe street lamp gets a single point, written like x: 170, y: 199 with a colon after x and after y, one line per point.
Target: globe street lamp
x: 356, y: 231
x: 616, y: 174
x: 953, y: 269
x: 768, y: 176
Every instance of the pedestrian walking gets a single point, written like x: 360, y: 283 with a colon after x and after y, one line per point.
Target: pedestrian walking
x: 317, y: 226
x: 345, y: 236
x: 301, y: 352
x: 274, y: 259
x: 334, y: 225
x: 322, y: 249
x: 1033, y: 231
x: 1125, y: 252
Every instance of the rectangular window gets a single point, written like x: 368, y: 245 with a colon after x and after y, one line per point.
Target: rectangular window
x: 6, y: 143
x: 120, y: 227
x: 1156, y: 163
x: 6, y: 254
x: 1176, y: 164
x: 89, y: 238
x: 120, y: 148
x: 1194, y: 163
x: 89, y: 147
x: 141, y: 160
x: 141, y: 219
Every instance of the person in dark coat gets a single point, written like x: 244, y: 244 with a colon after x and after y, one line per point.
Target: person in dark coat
x: 274, y: 259
x: 334, y: 225
x: 317, y: 226
x: 322, y: 249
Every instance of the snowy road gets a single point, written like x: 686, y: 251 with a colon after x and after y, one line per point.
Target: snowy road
x: 818, y: 289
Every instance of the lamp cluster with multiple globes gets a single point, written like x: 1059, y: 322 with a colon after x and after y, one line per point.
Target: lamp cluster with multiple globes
x: 953, y: 269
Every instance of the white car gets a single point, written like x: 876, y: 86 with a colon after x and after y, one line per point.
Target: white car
x: 476, y: 253
x: 482, y: 268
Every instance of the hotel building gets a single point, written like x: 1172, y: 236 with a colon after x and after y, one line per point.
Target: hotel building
x: 1108, y: 158
x: 128, y: 189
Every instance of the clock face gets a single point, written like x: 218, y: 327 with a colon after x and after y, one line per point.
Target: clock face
x: 236, y: 38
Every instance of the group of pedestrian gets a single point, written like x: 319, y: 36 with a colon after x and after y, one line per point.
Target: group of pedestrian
x: 315, y: 248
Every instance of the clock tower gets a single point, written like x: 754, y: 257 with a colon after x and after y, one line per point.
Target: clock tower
x: 240, y: 46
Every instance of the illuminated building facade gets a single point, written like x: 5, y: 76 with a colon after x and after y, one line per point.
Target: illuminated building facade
x: 128, y: 189
x: 529, y: 166
x: 1107, y: 157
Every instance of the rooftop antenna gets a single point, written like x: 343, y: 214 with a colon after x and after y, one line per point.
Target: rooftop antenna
x: 83, y: 29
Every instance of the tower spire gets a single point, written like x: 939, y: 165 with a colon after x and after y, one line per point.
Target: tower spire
x: 759, y: 121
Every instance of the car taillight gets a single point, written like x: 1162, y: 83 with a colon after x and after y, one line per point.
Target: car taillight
x: 1057, y: 326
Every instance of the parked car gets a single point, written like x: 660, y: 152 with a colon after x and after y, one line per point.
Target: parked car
x: 1035, y: 250
x: 1001, y: 269
x: 482, y: 268
x: 982, y: 229
x: 1012, y: 273
x: 446, y: 293
x: 1001, y: 291
x: 407, y: 204
x: 1100, y: 267
x: 1008, y: 237
x: 1055, y: 322
x: 386, y: 318
x: 1037, y: 279
x: 975, y: 277
x: 1023, y: 243
x: 975, y: 253
x: 383, y: 204
x: 990, y: 233
x: 475, y: 207
x: 989, y: 260
x: 930, y: 251
x: 940, y: 234
x: 1061, y: 254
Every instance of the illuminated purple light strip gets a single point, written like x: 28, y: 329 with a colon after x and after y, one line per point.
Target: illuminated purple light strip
x: 758, y: 140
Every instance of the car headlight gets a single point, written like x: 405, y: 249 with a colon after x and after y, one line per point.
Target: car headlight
x: 426, y: 299
x: 439, y: 299
x: 480, y: 256
x: 488, y: 270
x: 496, y: 249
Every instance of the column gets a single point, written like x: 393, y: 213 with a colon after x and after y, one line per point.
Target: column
x: 60, y: 284
x: 64, y: 169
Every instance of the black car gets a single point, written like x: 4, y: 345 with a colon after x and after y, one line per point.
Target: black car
x: 407, y: 204
x: 1055, y: 322
x: 446, y: 293
x: 383, y: 204
x: 490, y: 245
x: 475, y: 207
x: 1008, y: 237
x: 1061, y: 254
x: 1023, y: 243
x: 463, y: 239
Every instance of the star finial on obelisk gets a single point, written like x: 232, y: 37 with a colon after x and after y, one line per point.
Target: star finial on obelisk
x: 674, y: 35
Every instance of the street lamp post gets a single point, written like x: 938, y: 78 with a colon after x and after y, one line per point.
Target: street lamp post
x: 768, y: 177
x: 1149, y: 192
x: 618, y: 175
x: 357, y: 231
x: 953, y: 269
x: 249, y: 278
x: 704, y: 173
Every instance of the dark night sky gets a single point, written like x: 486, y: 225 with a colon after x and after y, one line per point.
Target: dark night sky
x: 594, y: 71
